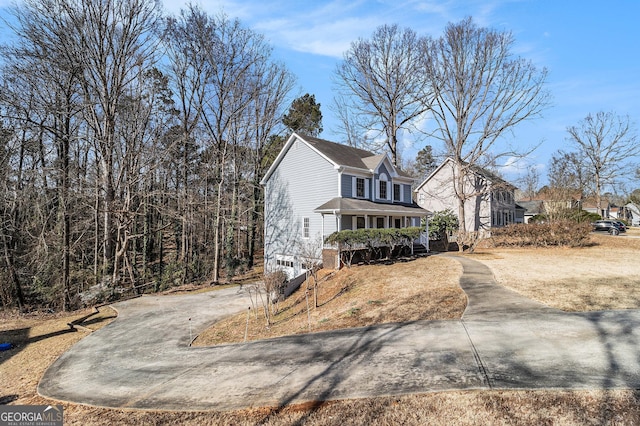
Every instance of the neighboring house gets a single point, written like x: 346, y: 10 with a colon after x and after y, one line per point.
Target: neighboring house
x: 549, y: 202
x: 521, y: 214
x: 616, y: 212
x: 492, y: 202
x: 316, y: 187
x: 590, y: 205
x: 531, y: 208
x: 631, y: 213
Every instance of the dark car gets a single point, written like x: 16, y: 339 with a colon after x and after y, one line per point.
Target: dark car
x: 623, y: 227
x: 613, y: 227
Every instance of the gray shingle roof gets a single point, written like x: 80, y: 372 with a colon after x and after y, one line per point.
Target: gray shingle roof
x: 346, y: 155
x: 345, y: 205
x: 343, y: 155
x: 532, y: 207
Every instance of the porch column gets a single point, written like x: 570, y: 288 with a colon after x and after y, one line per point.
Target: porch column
x: 366, y: 221
x: 426, y: 229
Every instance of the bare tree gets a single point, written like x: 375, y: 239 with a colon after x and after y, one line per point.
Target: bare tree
x: 478, y: 91
x: 42, y: 67
x: 243, y: 80
x: 276, y: 82
x: 186, y: 38
x: 311, y: 256
x: 568, y: 172
x: 382, y: 80
x: 351, y: 125
x: 108, y: 68
x: 114, y: 167
x: 530, y: 182
x: 606, y: 142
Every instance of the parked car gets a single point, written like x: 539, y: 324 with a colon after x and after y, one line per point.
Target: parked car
x: 613, y: 227
x: 622, y: 225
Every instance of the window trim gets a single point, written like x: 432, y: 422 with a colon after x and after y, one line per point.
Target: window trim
x: 364, y: 186
x: 382, y: 177
x: 399, y: 186
x: 382, y: 196
x: 306, y: 225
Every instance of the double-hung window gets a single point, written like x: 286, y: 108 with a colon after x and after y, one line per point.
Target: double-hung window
x: 396, y: 192
x: 305, y: 227
x: 383, y: 189
x: 360, y: 188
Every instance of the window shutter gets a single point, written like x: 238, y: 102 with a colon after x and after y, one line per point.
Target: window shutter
x: 367, y: 183
x: 354, y: 187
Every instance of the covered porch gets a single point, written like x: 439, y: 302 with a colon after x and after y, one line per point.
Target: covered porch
x: 340, y: 214
x: 350, y: 213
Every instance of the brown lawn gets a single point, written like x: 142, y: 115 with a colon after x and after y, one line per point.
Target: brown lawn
x: 365, y: 295
x: 605, y: 275
x: 422, y: 289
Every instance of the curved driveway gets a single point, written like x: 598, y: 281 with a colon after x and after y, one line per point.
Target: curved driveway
x: 505, y: 341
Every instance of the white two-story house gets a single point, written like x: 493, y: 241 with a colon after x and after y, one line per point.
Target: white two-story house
x: 490, y: 199
x: 316, y: 187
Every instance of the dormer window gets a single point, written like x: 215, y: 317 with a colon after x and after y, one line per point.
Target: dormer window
x: 383, y: 190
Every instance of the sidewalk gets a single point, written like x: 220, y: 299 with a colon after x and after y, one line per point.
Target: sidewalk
x: 142, y: 360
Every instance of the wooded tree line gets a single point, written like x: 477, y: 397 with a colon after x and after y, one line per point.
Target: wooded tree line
x: 131, y: 147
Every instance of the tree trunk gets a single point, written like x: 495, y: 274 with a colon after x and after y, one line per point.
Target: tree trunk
x: 460, y: 194
x: 12, y: 275
x: 216, y: 233
x: 108, y: 237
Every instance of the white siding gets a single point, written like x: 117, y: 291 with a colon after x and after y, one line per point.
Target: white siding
x: 303, y: 181
x: 438, y: 194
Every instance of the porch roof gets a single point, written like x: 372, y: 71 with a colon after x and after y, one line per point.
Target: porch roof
x: 355, y: 206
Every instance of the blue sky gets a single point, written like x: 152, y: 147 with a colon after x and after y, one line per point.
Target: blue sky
x: 590, y: 47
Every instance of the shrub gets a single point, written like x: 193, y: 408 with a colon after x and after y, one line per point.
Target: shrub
x: 442, y: 224
x: 562, y: 233
x: 372, y: 240
x: 583, y: 216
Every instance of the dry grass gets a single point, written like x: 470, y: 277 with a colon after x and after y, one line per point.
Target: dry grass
x: 605, y: 275
x: 426, y: 288
x: 41, y: 339
x: 443, y: 408
x: 38, y: 340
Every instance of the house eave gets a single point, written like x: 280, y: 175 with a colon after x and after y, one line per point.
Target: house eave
x: 365, y: 207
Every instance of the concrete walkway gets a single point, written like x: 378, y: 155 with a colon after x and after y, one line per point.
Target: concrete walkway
x: 505, y: 341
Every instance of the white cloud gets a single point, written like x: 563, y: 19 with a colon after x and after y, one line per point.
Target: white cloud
x: 518, y: 166
x: 328, y: 28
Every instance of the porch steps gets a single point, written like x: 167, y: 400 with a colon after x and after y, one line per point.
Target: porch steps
x: 419, y: 250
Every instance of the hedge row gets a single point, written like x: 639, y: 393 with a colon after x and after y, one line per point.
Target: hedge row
x: 563, y: 233
x: 375, y: 237
x: 372, y: 243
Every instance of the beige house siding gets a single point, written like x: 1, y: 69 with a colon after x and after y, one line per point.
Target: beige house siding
x: 495, y: 207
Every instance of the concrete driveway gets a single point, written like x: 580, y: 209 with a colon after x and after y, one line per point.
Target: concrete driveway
x: 504, y: 341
